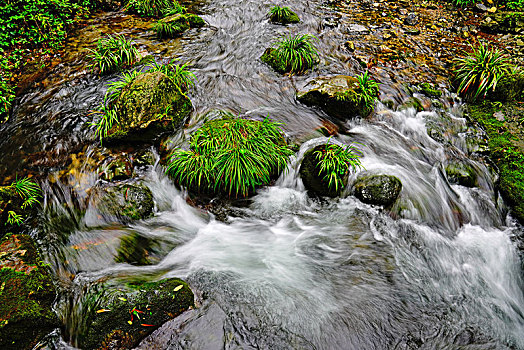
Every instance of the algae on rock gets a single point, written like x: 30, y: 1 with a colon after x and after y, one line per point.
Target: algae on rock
x: 26, y: 295
x: 124, y: 202
x: 377, y: 189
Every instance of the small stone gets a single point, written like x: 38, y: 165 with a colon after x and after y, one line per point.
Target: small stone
x: 499, y: 116
x: 403, y: 12
x: 481, y: 7
x: 386, y: 36
x: 411, y: 19
x: 519, y: 42
x: 492, y: 9
x: 350, y: 46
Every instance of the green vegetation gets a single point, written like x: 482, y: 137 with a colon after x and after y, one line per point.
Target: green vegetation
x: 154, y: 8
x: 179, y: 75
x: 368, y: 91
x: 282, y: 15
x: 171, y: 29
x: 113, y: 53
x: 334, y: 163
x: 516, y: 5
x: 31, y: 30
x: 231, y: 155
x: 19, y: 195
x: 480, y: 71
x: 292, y: 54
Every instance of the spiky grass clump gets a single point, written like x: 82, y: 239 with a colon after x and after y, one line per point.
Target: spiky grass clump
x: 231, y: 156
x: 297, y: 53
x: 334, y: 162
x: 181, y: 77
x: 154, y: 8
x: 170, y: 29
x: 368, y: 91
x: 282, y: 15
x: 479, y: 71
x: 113, y: 53
x: 28, y: 191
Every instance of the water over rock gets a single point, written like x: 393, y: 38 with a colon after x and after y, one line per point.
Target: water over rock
x: 338, y: 96
x: 120, y: 316
x: 377, y: 189
x: 26, y: 295
x: 461, y: 173
x: 147, y: 107
x: 124, y: 202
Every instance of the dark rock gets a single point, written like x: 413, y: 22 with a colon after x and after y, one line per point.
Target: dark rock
x: 411, y: 19
x: 125, y: 201
x: 503, y: 22
x: 462, y: 174
x: 377, y: 189
x: 291, y: 18
x: 330, y: 22
x: 412, y: 102
x: 26, y: 295
x: 134, y: 249
x: 147, y: 107
x: 412, y: 31
x: 312, y: 179
x: 270, y: 58
x: 195, y: 21
x: 132, y: 311
x: 338, y: 96
x: 509, y: 88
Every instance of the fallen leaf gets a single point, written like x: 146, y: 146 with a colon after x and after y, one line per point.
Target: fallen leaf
x: 102, y: 310
x: 178, y: 288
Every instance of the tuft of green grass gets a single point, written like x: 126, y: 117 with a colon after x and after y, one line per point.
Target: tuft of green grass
x: 335, y: 162
x: 282, y: 15
x: 113, y: 53
x: 182, y: 77
x: 368, y: 91
x: 231, y: 156
x: 297, y: 53
x: 154, y: 8
x: 170, y: 29
x: 27, y: 190
x: 479, y: 71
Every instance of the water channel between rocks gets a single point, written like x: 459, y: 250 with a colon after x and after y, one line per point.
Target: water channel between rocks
x: 437, y: 271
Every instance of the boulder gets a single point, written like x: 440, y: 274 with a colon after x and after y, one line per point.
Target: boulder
x: 120, y: 316
x: 270, y: 58
x: 313, y: 179
x: 503, y: 22
x: 289, y: 18
x: 125, y: 202
x: 509, y: 88
x: 377, y: 189
x: 338, y: 96
x: 428, y: 90
x: 147, y: 107
x: 26, y: 295
x: 462, y: 174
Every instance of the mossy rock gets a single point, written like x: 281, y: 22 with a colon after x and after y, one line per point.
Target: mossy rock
x: 504, y: 22
x: 195, y: 21
x: 428, y: 90
x: 509, y: 88
x: 178, y: 24
x: 148, y: 107
x: 412, y: 102
x: 132, y: 311
x: 338, y: 96
x: 125, y: 202
x: 313, y: 179
x: 26, y: 295
x: 271, y: 59
x: 462, y: 174
x: 134, y: 249
x: 377, y: 189
x: 290, y: 18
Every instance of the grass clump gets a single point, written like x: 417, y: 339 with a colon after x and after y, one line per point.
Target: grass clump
x: 24, y: 190
x: 154, y: 8
x: 368, y: 91
x: 335, y: 162
x: 282, y: 15
x: 231, y: 156
x: 480, y: 71
x: 171, y: 27
x: 292, y: 54
x: 113, y: 53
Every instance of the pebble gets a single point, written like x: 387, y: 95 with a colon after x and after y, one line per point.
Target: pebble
x: 481, y: 7
x: 411, y: 19
x: 492, y: 9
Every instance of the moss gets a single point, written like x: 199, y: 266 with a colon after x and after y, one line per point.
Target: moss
x: 134, y: 250
x: 147, y: 107
x: 377, y: 189
x: 126, y: 202
x: 288, y: 17
x: 195, y: 21
x: 429, y: 91
x: 26, y: 295
x: 506, y: 147
x: 412, y: 102
x: 134, y: 311
x: 462, y: 174
x: 271, y: 59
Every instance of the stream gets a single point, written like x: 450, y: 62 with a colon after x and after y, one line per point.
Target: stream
x: 439, y: 270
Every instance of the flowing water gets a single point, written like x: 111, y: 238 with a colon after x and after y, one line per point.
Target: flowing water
x: 438, y: 270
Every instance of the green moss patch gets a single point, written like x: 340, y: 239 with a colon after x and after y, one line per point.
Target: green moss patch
x: 26, y: 295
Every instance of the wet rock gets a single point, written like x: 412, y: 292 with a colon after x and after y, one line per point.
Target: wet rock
x: 26, y: 295
x: 377, y: 189
x: 481, y: 8
x: 118, y: 168
x: 412, y: 102
x: 411, y: 19
x: 338, y: 96
x: 504, y: 22
x: 412, y: 31
x: 330, y: 22
x: 462, y: 174
x: 195, y: 21
x: 357, y: 29
x: 134, y: 249
x: 270, y: 58
x: 350, y: 46
x: 429, y: 90
x: 125, y: 202
x: 509, y: 88
x: 312, y: 179
x: 290, y: 18
x: 120, y: 316
x: 148, y: 107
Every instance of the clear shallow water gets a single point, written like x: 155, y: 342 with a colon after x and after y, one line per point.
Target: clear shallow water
x: 437, y: 271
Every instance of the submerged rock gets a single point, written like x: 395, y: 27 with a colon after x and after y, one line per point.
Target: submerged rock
x: 147, y: 107
x: 26, y: 295
x: 125, y: 201
x: 120, y: 316
x: 134, y: 249
x: 377, y: 189
x: 338, y: 96
x: 462, y: 174
x: 313, y: 179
